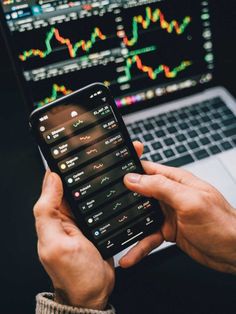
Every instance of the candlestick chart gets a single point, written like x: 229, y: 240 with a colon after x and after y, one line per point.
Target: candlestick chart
x: 66, y: 42
x: 57, y: 92
x: 152, y: 73
x: 153, y: 17
x: 132, y: 47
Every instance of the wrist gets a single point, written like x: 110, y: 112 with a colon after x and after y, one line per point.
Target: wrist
x: 230, y: 259
x: 64, y: 298
x: 45, y: 303
x: 234, y: 248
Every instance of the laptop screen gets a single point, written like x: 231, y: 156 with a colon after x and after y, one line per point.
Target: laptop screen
x: 142, y: 50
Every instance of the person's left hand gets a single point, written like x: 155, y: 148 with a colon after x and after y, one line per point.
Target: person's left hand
x: 79, y: 274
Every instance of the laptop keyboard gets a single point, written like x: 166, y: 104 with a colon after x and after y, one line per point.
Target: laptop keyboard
x: 180, y: 137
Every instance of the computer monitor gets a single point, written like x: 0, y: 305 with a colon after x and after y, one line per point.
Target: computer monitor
x: 142, y: 49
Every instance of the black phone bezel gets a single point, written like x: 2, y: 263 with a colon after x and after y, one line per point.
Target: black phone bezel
x: 84, y: 94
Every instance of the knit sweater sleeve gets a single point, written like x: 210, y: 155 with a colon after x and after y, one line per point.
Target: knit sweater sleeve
x: 45, y: 304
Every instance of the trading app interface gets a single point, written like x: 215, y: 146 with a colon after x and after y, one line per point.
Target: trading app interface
x: 92, y: 156
x: 141, y: 49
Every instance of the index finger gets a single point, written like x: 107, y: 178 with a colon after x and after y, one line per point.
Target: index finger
x: 178, y: 175
x: 158, y: 187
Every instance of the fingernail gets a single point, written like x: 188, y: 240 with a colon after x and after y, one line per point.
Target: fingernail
x: 133, y: 178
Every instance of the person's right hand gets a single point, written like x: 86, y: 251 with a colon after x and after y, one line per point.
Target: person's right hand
x: 197, y: 217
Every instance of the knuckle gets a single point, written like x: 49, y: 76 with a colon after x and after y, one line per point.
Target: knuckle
x: 50, y: 254
x: 72, y: 248
x: 148, y: 244
x: 196, y: 202
x: 142, y: 251
x: 160, y: 179
x: 185, y: 176
x: 186, y: 173
x: 54, y: 252
x: 205, y: 198
x: 43, y: 255
x: 149, y: 247
x: 37, y: 209
x: 211, y: 197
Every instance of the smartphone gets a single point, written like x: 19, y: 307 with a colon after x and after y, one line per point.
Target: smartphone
x: 84, y: 140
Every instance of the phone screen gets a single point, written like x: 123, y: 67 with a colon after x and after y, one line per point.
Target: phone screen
x: 83, y: 139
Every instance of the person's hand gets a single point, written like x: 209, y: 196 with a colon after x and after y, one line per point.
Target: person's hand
x: 197, y: 217
x: 79, y: 274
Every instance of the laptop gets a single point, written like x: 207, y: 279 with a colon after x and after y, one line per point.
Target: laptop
x: 156, y: 56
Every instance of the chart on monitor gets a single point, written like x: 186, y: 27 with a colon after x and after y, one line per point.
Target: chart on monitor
x: 140, y: 49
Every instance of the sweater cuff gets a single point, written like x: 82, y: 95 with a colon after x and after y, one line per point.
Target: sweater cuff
x: 45, y: 304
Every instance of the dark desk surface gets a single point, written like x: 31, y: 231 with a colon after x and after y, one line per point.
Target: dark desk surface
x: 167, y: 282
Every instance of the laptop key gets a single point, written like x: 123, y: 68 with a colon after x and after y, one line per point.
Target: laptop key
x: 172, y: 129
x: 205, y: 141
x: 181, y: 137
x: 146, y: 149
x: 227, y: 112
x: 226, y: 145
x: 151, y: 120
x: 229, y: 115
x: 157, y: 146
x: 193, y: 145
x: 169, y: 141
x: 160, y: 123
x: 156, y: 157
x: 206, y: 119
x: 148, y: 127
x: 216, y: 115
x: 230, y: 132
x: 214, y: 149
x: 160, y: 133
x: 201, y: 154
x: 192, y: 134
x: 169, y: 153
x: 204, y: 130
x: 229, y: 121
x: 148, y: 137
x: 183, y: 126
x: 218, y: 103
x: 183, y: 116
x: 216, y: 137
x: 172, y: 119
x: 136, y: 130
x: 178, y: 162
x: 194, y: 122
x: 215, y: 126
x: 205, y: 109
x: 193, y: 112
x: 181, y: 149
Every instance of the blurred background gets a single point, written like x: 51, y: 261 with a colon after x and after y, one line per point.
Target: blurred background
x: 21, y: 275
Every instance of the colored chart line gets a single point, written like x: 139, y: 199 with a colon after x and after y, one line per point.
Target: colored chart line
x: 72, y: 48
x: 7, y: 2
x: 153, y: 17
x: 56, y: 90
x: 152, y: 73
x: 141, y: 51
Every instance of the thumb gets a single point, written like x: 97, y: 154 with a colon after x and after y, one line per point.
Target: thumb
x: 52, y: 190
x: 156, y: 186
x: 47, y: 215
